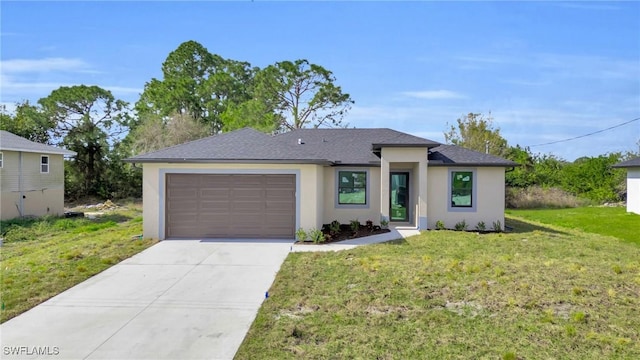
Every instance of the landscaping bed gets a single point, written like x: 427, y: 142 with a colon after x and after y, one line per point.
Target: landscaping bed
x: 335, y: 232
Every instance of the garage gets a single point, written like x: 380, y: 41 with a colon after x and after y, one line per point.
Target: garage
x: 230, y: 206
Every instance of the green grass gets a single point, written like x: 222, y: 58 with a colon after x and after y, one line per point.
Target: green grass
x: 611, y: 221
x: 536, y: 293
x: 40, y: 258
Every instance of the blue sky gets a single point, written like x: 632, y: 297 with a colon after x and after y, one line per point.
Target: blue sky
x: 546, y: 70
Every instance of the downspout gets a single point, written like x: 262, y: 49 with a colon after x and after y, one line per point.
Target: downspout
x: 20, y: 189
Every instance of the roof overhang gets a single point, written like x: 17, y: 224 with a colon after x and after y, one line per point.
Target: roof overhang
x: 36, y: 151
x: 435, y: 163
x: 378, y: 146
x: 228, y: 161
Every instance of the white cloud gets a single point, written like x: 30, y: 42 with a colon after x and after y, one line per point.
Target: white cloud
x: 434, y: 94
x: 45, y: 65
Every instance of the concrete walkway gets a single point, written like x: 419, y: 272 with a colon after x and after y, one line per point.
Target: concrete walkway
x: 175, y: 300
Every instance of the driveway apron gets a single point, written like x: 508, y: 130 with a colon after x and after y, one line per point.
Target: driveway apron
x: 181, y: 299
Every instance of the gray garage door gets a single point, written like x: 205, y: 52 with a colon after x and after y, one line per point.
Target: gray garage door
x: 230, y: 206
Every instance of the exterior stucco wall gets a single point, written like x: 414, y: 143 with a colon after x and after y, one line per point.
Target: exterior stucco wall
x: 633, y: 190
x: 309, y: 194
x: 489, y: 199
x: 43, y: 193
x: 345, y: 214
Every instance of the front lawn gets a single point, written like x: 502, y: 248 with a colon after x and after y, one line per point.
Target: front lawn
x: 42, y: 258
x: 535, y: 293
x: 612, y: 221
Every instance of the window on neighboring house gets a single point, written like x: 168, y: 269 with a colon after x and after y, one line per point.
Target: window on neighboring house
x: 1, y: 160
x: 462, y: 189
x: 44, y: 164
x: 352, y: 187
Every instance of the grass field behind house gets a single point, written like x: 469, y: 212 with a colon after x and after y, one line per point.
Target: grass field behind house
x: 612, y: 221
x: 41, y: 258
x: 539, y: 292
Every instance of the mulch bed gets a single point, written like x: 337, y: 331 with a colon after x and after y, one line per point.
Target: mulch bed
x: 346, y: 233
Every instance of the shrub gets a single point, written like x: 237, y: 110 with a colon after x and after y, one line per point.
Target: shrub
x: 334, y: 227
x: 384, y: 223
x: 461, y: 225
x: 355, y: 225
x: 317, y: 236
x: 301, y: 235
x: 481, y: 226
x: 497, y: 226
x: 440, y: 225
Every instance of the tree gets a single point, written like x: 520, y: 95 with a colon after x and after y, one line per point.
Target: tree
x: 302, y: 94
x: 156, y: 133
x: 476, y: 132
x: 28, y: 121
x: 88, y: 121
x: 197, y: 83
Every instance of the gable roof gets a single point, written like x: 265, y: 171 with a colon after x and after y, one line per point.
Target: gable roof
x: 452, y: 155
x: 13, y: 142
x: 629, y: 163
x: 319, y: 146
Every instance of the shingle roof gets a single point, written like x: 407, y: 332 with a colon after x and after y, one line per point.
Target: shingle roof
x: 629, y: 163
x: 327, y: 146
x: 13, y: 142
x: 452, y: 155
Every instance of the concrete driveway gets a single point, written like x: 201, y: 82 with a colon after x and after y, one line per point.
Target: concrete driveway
x: 182, y: 299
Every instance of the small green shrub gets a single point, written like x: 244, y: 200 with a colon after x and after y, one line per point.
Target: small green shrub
x: 355, y: 225
x: 301, y: 235
x: 334, y: 227
x: 461, y: 225
x: 317, y: 236
x: 481, y: 226
x: 384, y: 223
x: 497, y: 226
x: 440, y: 225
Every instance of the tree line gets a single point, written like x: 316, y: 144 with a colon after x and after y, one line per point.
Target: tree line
x: 199, y: 94
x: 202, y: 94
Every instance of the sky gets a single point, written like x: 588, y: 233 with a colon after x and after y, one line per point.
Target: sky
x: 545, y: 71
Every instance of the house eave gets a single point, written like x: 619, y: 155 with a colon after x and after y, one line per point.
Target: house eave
x: 36, y: 151
x: 229, y: 161
x: 378, y: 146
x: 441, y: 164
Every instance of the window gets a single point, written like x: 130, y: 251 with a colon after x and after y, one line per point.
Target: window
x: 44, y: 164
x: 462, y: 189
x: 352, y: 187
x: 1, y: 160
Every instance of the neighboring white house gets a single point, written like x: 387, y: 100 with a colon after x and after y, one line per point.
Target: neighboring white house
x: 31, y: 177
x: 247, y: 184
x: 633, y: 183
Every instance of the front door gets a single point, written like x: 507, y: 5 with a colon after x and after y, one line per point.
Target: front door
x: 399, y: 192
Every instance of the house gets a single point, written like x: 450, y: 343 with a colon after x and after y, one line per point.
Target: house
x: 633, y: 183
x: 31, y: 177
x: 248, y: 184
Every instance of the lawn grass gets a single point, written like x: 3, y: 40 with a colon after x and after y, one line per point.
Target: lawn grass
x: 612, y: 221
x: 536, y: 293
x: 42, y: 257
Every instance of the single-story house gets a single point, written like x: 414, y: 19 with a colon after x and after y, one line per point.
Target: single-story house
x: 248, y: 184
x: 31, y: 177
x: 633, y: 183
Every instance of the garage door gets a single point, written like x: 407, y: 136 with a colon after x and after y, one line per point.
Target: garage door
x: 230, y: 206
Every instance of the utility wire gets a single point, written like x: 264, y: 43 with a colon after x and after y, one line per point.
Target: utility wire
x: 589, y: 134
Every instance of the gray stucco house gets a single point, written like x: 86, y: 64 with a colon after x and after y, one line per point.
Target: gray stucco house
x: 31, y: 177
x: 248, y: 184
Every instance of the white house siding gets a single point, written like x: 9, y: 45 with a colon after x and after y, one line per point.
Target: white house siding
x: 310, y: 197
x: 489, y: 198
x: 633, y: 190
x: 43, y: 193
x: 345, y: 214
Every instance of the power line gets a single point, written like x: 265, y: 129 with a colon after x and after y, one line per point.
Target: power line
x: 589, y: 134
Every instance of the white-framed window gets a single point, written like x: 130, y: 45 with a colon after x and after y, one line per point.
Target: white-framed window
x: 44, y: 164
x: 352, y: 188
x: 462, y: 190
x: 1, y: 160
